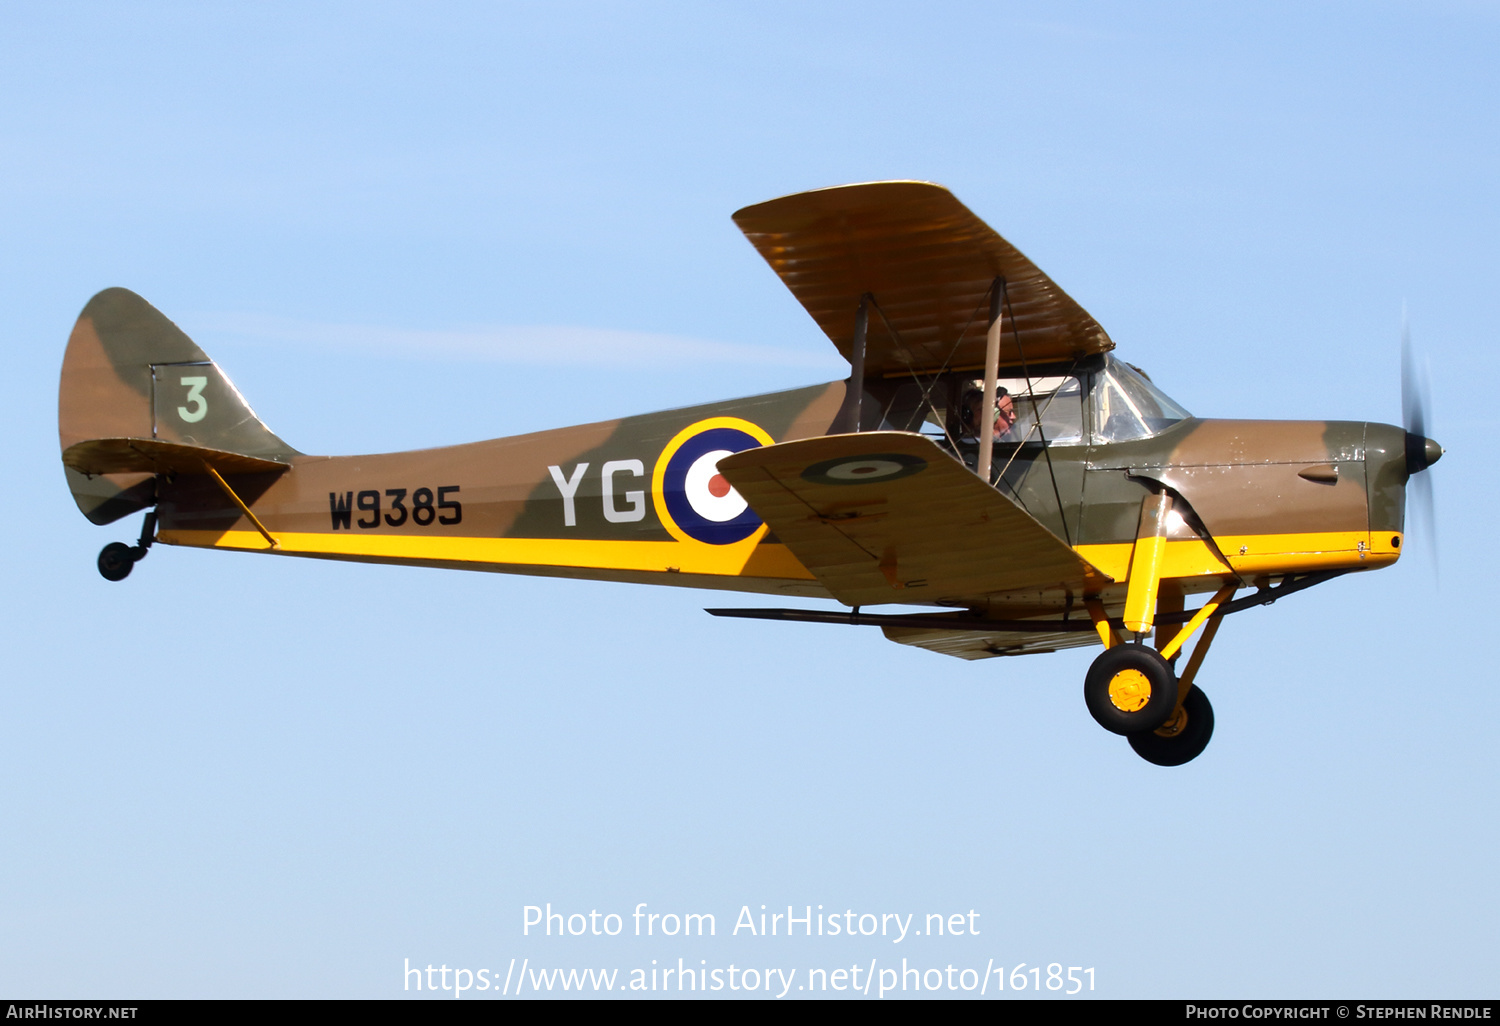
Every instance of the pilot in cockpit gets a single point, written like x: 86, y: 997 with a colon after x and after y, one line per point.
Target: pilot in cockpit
x: 970, y: 413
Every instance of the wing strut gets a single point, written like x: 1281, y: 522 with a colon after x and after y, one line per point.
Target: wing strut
x: 991, y: 382
x: 848, y: 419
x: 1002, y: 295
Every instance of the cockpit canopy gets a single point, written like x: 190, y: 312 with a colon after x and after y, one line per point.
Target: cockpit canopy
x: 1127, y: 405
x: 1108, y: 402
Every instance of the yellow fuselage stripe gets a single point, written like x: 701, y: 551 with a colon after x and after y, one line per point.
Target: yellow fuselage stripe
x: 1251, y: 554
x: 1263, y: 554
x: 741, y: 559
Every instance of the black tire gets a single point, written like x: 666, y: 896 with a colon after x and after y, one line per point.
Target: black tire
x: 1130, y: 689
x: 115, y: 561
x: 1188, y: 743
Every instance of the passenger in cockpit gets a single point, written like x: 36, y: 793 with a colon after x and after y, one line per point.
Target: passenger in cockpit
x: 971, y: 416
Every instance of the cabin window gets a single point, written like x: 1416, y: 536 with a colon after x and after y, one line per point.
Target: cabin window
x: 934, y: 408
x: 1127, y: 405
x: 1056, y: 402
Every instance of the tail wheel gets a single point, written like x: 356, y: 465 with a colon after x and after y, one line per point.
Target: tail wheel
x: 1182, y: 738
x: 1130, y: 689
x: 115, y: 561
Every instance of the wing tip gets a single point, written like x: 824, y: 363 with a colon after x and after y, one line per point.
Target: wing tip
x: 855, y: 194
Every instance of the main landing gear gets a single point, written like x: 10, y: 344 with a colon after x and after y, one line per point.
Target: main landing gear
x: 116, y: 559
x: 1134, y: 690
x: 1131, y: 690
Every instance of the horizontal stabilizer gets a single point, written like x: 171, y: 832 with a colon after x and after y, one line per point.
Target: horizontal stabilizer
x: 888, y: 516
x: 149, y: 456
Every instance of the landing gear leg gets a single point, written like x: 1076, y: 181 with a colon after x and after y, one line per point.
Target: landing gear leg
x: 116, y: 559
x: 1132, y: 690
x: 1186, y: 733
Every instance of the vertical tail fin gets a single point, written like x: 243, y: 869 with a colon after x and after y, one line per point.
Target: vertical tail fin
x: 133, y: 382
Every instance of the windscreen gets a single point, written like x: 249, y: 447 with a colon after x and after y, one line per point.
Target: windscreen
x: 1127, y: 405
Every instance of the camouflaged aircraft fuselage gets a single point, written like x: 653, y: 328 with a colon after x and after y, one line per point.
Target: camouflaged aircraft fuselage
x: 988, y: 457
x: 1258, y: 499
x: 887, y: 508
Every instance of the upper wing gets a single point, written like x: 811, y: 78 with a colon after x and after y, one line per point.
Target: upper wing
x: 929, y: 263
x: 887, y: 516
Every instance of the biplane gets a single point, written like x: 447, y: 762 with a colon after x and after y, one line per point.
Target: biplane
x: 988, y: 457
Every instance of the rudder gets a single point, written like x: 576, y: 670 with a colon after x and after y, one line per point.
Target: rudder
x: 130, y: 374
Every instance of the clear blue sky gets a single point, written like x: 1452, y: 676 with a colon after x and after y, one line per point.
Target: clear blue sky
x: 232, y: 776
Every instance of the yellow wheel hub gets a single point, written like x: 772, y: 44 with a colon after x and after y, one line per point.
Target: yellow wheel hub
x: 1129, y: 690
x: 1175, y: 725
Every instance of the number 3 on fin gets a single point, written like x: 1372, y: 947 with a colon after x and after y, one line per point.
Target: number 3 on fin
x: 194, y: 396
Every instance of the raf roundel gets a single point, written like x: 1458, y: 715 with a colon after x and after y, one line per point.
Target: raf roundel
x: 694, y: 498
x: 864, y: 469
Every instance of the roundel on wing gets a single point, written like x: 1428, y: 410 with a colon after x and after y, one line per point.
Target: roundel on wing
x: 698, y: 500
x: 853, y: 470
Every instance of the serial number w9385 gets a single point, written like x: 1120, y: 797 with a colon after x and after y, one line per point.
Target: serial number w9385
x: 392, y: 508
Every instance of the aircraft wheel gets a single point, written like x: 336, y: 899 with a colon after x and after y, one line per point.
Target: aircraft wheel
x: 1182, y: 738
x: 1130, y: 689
x: 115, y: 561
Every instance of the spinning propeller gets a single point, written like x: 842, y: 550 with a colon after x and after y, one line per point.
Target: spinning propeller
x: 1421, y: 451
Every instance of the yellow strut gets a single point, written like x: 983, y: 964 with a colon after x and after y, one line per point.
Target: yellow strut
x: 1168, y: 600
x: 243, y: 508
x: 1209, y: 608
x: 1185, y: 680
x: 1210, y: 612
x: 1145, y: 564
x: 1107, y: 634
